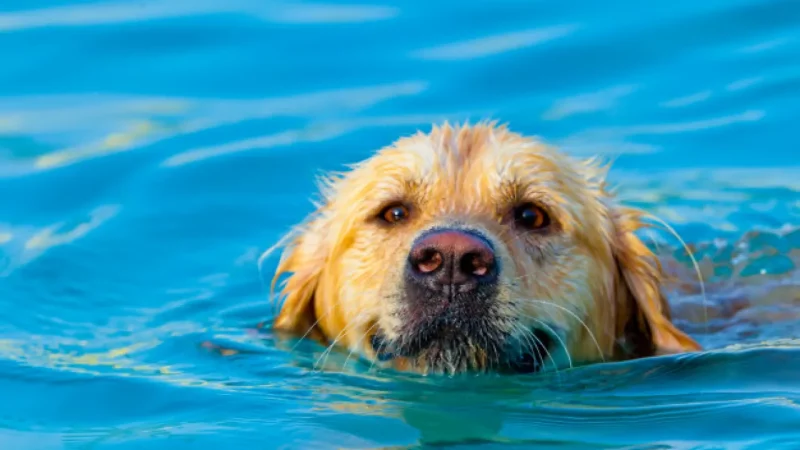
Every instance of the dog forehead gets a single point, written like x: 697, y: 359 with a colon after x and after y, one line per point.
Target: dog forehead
x: 480, y: 166
x: 460, y: 152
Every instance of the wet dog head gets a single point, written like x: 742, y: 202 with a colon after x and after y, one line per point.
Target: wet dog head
x: 475, y: 248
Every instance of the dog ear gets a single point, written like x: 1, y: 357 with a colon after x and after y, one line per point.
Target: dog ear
x: 303, y: 261
x: 644, y: 326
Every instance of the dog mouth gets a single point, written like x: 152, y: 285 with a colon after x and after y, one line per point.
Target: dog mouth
x: 450, y: 351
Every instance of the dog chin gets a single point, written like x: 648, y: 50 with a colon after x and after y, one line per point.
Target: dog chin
x: 449, y: 348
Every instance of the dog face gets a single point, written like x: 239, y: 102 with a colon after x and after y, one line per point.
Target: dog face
x: 473, y: 248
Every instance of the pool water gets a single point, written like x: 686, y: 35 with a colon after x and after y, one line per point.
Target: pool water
x: 151, y: 150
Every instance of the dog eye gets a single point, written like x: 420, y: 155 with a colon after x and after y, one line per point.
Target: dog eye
x: 394, y: 214
x: 531, y: 217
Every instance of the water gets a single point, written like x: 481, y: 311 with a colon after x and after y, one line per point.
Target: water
x: 151, y: 150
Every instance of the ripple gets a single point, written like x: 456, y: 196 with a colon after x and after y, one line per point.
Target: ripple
x: 118, y: 12
x: 493, y: 45
x: 764, y: 46
x: 585, y: 103
x: 317, y: 132
x: 184, y: 116
x: 744, y: 83
x: 691, y: 99
x: 24, y: 245
x: 310, y: 13
x: 311, y: 134
x: 617, y: 140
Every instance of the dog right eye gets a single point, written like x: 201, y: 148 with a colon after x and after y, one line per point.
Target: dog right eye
x: 394, y: 214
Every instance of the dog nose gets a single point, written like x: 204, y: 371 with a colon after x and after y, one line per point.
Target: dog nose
x: 452, y: 258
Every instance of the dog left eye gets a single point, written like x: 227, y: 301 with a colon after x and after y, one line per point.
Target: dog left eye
x: 531, y: 216
x: 394, y: 214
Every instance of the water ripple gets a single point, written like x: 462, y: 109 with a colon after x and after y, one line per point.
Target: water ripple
x: 124, y: 12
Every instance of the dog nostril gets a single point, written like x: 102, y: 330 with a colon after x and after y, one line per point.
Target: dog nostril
x: 429, y: 261
x: 477, y: 264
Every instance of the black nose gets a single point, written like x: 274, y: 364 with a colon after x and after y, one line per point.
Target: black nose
x: 452, y: 258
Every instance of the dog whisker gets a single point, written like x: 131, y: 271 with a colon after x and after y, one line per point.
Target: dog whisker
x: 695, y: 264
x: 316, y: 322
x: 531, y: 341
x: 581, y: 321
x: 329, y: 308
x: 377, y: 352
x: 332, y: 345
x: 548, y: 352
x: 557, y: 337
x: 282, y: 242
x: 363, y: 336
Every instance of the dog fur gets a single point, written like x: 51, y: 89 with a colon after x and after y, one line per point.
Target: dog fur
x: 586, y: 281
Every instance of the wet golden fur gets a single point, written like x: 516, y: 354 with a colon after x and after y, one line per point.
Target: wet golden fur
x: 589, y: 276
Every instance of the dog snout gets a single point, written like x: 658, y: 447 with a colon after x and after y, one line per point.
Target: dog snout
x: 449, y: 257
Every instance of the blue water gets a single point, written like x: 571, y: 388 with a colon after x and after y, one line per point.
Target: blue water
x: 151, y: 150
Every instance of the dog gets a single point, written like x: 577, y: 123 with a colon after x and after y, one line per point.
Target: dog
x: 472, y: 248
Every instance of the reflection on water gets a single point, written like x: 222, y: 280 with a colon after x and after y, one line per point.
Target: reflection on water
x: 150, y: 151
x: 126, y: 12
x: 151, y: 120
x: 492, y: 45
x: 23, y: 245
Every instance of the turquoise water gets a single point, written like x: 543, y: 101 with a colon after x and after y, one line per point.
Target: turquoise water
x: 151, y: 150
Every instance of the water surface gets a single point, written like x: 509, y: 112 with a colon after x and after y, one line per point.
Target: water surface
x: 151, y: 150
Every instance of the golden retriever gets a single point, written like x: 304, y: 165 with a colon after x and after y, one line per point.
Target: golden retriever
x: 474, y: 248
